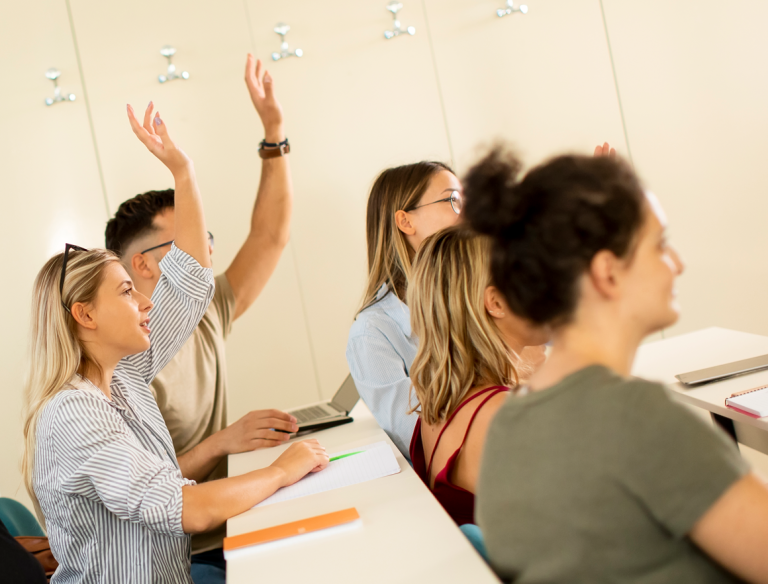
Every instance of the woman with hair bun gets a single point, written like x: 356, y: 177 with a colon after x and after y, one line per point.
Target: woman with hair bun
x: 592, y: 475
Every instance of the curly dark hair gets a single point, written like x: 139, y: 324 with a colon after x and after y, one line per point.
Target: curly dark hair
x: 547, y: 227
x: 134, y: 218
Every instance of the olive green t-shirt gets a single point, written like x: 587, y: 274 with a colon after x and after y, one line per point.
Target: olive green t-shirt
x: 599, y: 479
x: 191, y: 391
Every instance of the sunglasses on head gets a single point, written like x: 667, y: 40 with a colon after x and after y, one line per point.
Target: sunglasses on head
x: 67, y: 247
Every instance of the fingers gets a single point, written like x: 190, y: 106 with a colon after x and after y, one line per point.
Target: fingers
x: 250, y: 70
x: 140, y: 132
x: 276, y: 424
x: 148, y: 119
x: 259, y: 70
x: 162, y: 131
x: 273, y: 414
x: 598, y: 151
x: 268, y: 89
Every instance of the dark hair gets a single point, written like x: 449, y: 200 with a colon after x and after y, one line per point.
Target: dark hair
x: 395, y: 189
x: 547, y: 227
x: 134, y: 218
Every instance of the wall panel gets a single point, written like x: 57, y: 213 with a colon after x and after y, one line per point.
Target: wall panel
x: 541, y: 81
x: 211, y: 117
x: 355, y: 104
x: 49, y: 183
x: 694, y: 86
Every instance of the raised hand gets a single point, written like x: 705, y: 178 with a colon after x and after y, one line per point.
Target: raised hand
x: 605, y: 150
x: 259, y: 83
x: 154, y: 135
x: 301, y: 458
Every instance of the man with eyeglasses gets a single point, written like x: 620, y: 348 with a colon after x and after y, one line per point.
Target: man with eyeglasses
x: 192, y: 390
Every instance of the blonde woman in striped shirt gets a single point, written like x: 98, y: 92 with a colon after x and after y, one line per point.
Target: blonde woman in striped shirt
x: 99, y: 462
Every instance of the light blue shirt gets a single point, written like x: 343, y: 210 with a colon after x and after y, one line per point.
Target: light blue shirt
x: 380, y: 351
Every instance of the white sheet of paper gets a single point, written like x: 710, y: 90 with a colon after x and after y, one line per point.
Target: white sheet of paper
x: 376, y: 461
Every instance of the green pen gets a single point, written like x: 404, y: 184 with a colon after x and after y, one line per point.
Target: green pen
x: 345, y: 455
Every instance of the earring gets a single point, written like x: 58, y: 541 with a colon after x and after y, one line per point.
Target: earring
x: 496, y: 313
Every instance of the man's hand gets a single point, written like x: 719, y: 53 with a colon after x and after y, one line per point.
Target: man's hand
x: 259, y: 84
x: 257, y: 429
x: 605, y: 150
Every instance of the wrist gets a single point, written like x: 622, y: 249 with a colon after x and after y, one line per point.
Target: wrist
x: 184, y: 173
x: 278, y: 475
x: 274, y: 134
x: 217, y: 444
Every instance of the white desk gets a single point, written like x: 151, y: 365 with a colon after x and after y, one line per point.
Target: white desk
x: 405, y: 535
x: 662, y: 360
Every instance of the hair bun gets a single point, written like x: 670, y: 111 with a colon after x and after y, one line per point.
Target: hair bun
x: 488, y: 186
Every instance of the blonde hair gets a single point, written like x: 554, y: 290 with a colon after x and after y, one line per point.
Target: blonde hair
x: 389, y: 256
x: 460, y: 346
x: 56, y: 353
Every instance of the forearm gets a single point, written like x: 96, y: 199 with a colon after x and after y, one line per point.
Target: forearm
x: 271, y: 215
x: 207, y: 506
x: 198, y: 463
x: 190, y: 220
x: 270, y: 229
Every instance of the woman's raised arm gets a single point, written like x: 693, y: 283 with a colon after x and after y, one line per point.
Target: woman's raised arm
x: 191, y: 235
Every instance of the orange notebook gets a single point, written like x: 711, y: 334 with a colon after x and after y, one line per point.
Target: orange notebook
x: 286, y: 530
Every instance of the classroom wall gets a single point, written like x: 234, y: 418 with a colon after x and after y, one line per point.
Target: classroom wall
x: 680, y: 87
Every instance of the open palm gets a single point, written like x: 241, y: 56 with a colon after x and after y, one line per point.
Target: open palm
x: 155, y: 137
x: 260, y: 83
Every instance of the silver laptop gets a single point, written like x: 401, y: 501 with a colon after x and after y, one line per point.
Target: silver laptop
x: 331, y: 413
x: 723, y: 371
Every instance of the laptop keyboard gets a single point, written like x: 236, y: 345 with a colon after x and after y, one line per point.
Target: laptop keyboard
x: 308, y: 414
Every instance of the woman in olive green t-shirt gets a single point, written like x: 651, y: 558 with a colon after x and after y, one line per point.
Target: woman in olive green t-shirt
x: 594, y: 476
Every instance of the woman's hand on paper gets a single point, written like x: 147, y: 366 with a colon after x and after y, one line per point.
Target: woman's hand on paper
x: 154, y: 135
x: 301, y: 458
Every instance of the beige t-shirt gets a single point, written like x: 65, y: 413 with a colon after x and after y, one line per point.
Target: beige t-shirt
x: 191, y: 391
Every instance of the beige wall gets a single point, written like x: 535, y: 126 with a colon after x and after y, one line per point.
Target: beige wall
x: 691, y: 80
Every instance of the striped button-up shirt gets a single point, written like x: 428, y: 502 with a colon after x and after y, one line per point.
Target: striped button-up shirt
x: 106, y: 473
x: 380, y: 351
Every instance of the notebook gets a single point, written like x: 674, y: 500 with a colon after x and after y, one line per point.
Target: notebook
x: 236, y: 544
x: 753, y: 402
x: 373, y: 462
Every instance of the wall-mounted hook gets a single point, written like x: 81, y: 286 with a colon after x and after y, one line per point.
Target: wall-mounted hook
x: 510, y: 9
x: 53, y: 75
x: 397, y: 29
x: 168, y: 52
x: 282, y: 29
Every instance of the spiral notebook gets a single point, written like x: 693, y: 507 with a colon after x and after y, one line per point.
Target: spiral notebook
x: 752, y: 402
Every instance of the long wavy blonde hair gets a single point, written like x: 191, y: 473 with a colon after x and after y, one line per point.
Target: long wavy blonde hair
x: 389, y: 256
x: 56, y: 353
x: 460, y: 346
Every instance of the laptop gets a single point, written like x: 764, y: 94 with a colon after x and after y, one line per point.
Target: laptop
x: 328, y: 414
x: 722, y: 371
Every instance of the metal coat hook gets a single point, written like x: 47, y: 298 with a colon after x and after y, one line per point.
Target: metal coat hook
x: 282, y: 29
x: 168, y: 52
x: 397, y: 29
x: 510, y: 9
x: 53, y: 75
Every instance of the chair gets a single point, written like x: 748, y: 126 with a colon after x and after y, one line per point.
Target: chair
x: 475, y: 537
x: 18, y: 519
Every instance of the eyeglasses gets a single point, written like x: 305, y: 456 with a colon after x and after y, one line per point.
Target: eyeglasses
x: 210, y: 241
x: 67, y: 247
x: 455, y: 200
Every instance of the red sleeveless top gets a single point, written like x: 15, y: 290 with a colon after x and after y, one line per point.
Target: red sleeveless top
x: 458, y: 502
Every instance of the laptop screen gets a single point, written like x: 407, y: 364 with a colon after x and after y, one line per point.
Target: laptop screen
x: 347, y: 396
